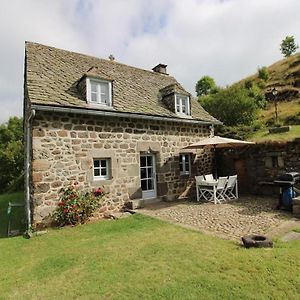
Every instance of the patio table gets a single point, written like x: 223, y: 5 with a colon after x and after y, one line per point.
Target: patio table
x: 209, y: 186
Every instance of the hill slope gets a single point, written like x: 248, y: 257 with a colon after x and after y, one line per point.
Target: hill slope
x: 284, y: 76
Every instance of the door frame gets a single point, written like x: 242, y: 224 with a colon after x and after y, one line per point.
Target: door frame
x: 150, y: 194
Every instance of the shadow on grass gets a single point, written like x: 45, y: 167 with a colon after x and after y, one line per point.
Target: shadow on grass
x: 17, y: 216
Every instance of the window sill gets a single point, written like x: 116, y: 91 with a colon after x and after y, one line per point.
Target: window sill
x: 97, y: 182
x: 184, y: 115
x: 100, y: 105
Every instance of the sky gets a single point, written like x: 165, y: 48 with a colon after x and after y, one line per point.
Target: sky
x: 225, y: 39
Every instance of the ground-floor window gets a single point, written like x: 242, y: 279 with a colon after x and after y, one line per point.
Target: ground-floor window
x: 102, y: 168
x: 185, y: 164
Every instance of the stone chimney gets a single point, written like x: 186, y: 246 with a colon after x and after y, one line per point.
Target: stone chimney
x: 160, y: 68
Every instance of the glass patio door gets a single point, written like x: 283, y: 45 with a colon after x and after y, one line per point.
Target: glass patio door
x: 148, y: 176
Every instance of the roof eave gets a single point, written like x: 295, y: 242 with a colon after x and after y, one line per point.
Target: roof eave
x: 60, y: 109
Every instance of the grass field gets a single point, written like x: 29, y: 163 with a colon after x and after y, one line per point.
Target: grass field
x: 17, y: 214
x: 142, y: 258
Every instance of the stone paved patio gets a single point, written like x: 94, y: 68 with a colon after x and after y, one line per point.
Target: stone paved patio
x: 231, y: 220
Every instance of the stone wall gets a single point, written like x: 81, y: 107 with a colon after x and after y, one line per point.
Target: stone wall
x: 64, y: 145
x: 260, y: 164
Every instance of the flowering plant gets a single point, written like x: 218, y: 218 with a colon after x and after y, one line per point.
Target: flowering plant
x: 76, y: 207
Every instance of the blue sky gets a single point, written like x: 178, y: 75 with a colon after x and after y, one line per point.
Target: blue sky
x: 227, y: 40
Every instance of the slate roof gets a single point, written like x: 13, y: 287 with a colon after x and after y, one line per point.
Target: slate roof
x: 52, y: 77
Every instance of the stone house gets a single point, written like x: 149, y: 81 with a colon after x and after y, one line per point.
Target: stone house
x: 103, y: 123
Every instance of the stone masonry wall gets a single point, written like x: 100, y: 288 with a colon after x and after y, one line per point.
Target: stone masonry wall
x: 64, y: 145
x: 263, y: 163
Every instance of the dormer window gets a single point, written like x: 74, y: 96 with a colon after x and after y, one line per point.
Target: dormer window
x: 182, y: 104
x: 99, y: 91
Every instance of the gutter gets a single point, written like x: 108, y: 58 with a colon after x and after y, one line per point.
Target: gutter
x: 27, y: 169
x: 117, y: 114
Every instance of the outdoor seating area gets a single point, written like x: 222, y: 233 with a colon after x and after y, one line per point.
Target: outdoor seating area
x: 216, y: 190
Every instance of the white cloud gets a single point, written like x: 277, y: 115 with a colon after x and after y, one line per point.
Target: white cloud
x: 224, y: 39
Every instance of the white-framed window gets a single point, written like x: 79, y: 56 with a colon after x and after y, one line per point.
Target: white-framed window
x: 185, y: 164
x: 101, y: 168
x: 182, y: 104
x: 99, y: 91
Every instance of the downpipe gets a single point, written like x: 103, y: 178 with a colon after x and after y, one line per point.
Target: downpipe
x: 27, y: 171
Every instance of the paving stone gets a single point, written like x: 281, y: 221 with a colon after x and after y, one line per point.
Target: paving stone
x: 233, y: 219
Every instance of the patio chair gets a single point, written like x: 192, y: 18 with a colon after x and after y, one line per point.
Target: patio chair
x: 203, y: 191
x: 209, y: 177
x: 231, y: 191
x: 220, y: 189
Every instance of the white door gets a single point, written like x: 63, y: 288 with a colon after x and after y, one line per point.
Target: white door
x: 148, y: 175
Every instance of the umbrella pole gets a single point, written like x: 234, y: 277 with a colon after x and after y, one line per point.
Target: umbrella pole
x: 215, y: 171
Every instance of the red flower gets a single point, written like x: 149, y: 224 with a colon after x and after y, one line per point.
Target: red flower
x: 66, y: 210
x: 61, y: 203
x: 99, y: 191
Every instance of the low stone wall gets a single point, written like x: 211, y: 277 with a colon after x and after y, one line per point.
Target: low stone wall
x: 63, y: 148
x: 258, y: 165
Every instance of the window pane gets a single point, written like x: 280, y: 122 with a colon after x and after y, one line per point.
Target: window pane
x: 144, y: 185
x: 96, y: 163
x: 96, y: 172
x: 103, y: 172
x: 187, y: 166
x: 93, y: 97
x: 150, y: 172
x: 149, y: 161
x: 103, y: 163
x: 180, y: 158
x: 104, y: 92
x: 180, y: 167
x: 150, y: 184
x: 143, y: 161
x: 94, y: 87
x: 143, y: 173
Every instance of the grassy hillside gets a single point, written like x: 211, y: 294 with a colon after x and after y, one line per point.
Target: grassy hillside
x: 284, y: 76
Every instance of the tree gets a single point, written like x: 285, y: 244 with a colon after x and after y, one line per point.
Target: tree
x: 205, y: 86
x: 288, y: 46
x: 11, y: 152
x: 233, y: 106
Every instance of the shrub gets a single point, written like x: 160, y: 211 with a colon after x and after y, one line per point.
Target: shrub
x: 76, y: 207
x: 233, y: 106
x: 241, y: 132
x: 263, y: 73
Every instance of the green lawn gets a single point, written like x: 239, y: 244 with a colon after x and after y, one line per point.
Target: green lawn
x: 17, y: 213
x: 263, y: 135
x: 143, y: 258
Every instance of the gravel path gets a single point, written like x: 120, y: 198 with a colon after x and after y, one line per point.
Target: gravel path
x: 231, y: 220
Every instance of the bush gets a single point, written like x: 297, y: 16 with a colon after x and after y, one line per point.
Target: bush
x: 235, y: 132
x: 263, y: 73
x: 76, y: 207
x: 233, y: 106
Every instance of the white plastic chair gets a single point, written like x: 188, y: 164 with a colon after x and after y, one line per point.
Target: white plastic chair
x: 231, y: 190
x: 220, y: 189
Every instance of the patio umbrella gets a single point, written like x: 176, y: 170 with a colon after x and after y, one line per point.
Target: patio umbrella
x: 217, y: 142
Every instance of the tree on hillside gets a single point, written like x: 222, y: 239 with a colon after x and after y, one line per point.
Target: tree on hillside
x: 288, y: 46
x: 233, y: 106
x: 11, y: 152
x: 205, y: 86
